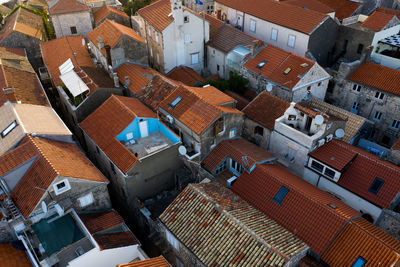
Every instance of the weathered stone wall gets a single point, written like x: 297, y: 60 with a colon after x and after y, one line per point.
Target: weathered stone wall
x: 63, y: 22
x: 117, y: 18
x: 248, y: 133
x: 389, y: 221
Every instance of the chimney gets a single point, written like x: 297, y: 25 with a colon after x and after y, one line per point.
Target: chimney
x: 366, y: 54
x: 108, y: 54
x: 116, y: 80
x: 127, y: 81
x: 177, y: 12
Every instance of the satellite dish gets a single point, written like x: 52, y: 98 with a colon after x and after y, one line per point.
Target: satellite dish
x: 269, y: 87
x: 319, y: 119
x: 44, y: 207
x: 182, y: 150
x: 339, y: 133
x: 83, y: 42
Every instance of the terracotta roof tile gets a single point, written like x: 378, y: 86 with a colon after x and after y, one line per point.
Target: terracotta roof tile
x: 362, y: 170
x: 56, y: 52
x: 103, y: 12
x: 215, y: 23
x: 196, y: 109
x: 17, y: 73
x: 152, y: 262
x: 265, y: 109
x: 16, y: 157
x: 389, y: 11
x: 139, y: 76
x: 226, y: 38
x: 312, y: 5
x: 286, y: 15
x: 377, y: 76
x: 100, y: 221
x: 186, y: 75
x: 377, y: 21
x: 66, y: 6
x: 12, y: 257
x: 219, y: 219
x: 242, y: 101
x: 236, y: 149
x: 360, y: 238
x: 313, y: 221
x: 111, y: 33
x: 158, y: 14
x: 276, y: 62
x: 343, y: 8
x: 115, y: 240
x: 108, y: 121
x: 54, y: 158
x: 156, y: 91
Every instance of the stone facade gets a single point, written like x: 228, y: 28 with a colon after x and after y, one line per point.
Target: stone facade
x: 251, y: 134
x: 77, y: 23
x: 389, y: 221
x: 207, y: 6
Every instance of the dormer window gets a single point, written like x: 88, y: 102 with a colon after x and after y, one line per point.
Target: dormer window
x: 175, y: 102
x: 379, y: 95
x: 9, y: 128
x: 186, y: 19
x: 278, y: 198
x: 61, y: 187
x: 219, y: 126
x: 376, y: 186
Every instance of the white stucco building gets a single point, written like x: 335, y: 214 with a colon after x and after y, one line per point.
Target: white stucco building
x: 175, y: 35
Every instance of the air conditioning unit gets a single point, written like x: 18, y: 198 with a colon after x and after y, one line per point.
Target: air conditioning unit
x: 170, y: 119
x: 329, y: 137
x: 321, y: 142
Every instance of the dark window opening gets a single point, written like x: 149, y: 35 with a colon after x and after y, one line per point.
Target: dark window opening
x: 186, y: 19
x: 330, y: 173
x: 317, y: 166
x: 360, y: 48
x: 61, y: 185
x: 73, y: 30
x: 259, y: 130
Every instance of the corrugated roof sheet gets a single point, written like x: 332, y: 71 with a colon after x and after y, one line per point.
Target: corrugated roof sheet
x: 218, y: 219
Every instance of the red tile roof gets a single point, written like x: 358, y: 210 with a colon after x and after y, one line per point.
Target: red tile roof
x: 377, y: 20
x: 16, y: 157
x: 221, y: 229
x: 343, y: 8
x: 312, y: 5
x: 389, y: 11
x: 360, y: 238
x: 13, y: 257
x: 277, y: 61
x: 237, y: 149
x: 56, y: 52
x: 158, y: 14
x: 108, y: 121
x: 111, y: 33
x: 226, y: 38
x: 103, y: 12
x: 362, y: 170
x: 215, y: 23
x: 152, y: 262
x: 304, y: 211
x: 199, y: 106
x: 54, y: 158
x: 279, y: 13
x: 377, y: 76
x: 100, y: 221
x: 139, y: 76
x: 186, y: 75
x: 67, y: 6
x: 265, y: 109
x: 115, y: 240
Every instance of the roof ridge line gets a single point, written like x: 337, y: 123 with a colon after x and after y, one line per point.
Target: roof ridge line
x: 243, y: 225
x: 43, y: 154
x: 125, y: 107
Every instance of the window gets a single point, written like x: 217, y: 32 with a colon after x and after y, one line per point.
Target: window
x: 280, y: 195
x: 195, y: 58
x: 360, y: 48
x: 291, y: 40
x: 317, y: 166
x: 356, y: 106
x: 274, y: 34
x: 330, y: 173
x: 395, y: 124
x: 172, y: 240
x: 252, y: 25
x: 187, y: 38
x: 319, y: 84
x: 9, y: 128
x: 175, y: 102
x: 309, y: 88
x: 376, y: 185
x: 232, y: 133
x: 86, y: 200
x: 156, y: 35
x: 221, y: 167
x: 219, y: 126
x: 73, y: 30
x: 61, y: 187
x: 259, y: 130
x: 378, y: 115
x: 356, y: 87
x: 360, y: 262
x: 236, y: 167
x: 379, y: 95
x: 186, y: 19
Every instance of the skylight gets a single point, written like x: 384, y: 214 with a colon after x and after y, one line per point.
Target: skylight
x: 376, y: 185
x: 261, y: 64
x: 280, y: 195
x: 175, y: 102
x: 287, y: 70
